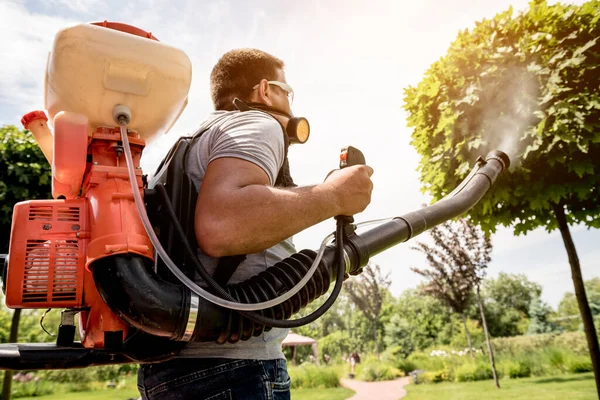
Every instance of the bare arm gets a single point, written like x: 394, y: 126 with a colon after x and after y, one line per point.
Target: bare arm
x: 239, y: 213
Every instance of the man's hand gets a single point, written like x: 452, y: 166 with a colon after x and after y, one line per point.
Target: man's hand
x: 352, y: 187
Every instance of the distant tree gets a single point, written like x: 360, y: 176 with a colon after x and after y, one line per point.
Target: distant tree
x: 335, y: 345
x: 526, y: 84
x: 334, y: 320
x: 512, y: 291
x: 541, y: 314
x: 568, y: 314
x: 508, y: 299
x: 458, y: 259
x: 418, y: 322
x: 449, y: 278
x: 368, y: 291
x: 398, y: 334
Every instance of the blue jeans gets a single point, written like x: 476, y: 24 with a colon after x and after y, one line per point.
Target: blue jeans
x: 214, y: 379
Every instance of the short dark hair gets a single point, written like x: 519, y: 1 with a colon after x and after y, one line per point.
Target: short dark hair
x: 237, y: 72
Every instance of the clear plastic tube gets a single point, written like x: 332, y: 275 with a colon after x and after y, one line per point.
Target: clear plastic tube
x: 180, y: 275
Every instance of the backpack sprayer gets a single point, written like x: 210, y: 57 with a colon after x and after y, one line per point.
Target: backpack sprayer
x: 110, y: 89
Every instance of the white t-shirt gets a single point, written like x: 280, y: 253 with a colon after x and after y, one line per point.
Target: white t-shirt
x: 258, y: 138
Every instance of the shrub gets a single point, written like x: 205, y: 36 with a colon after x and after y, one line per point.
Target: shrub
x: 32, y: 388
x: 378, y: 371
x: 405, y: 366
x: 76, y: 375
x: 556, y: 358
x: 335, y: 345
x: 574, y: 341
x: 392, y: 354
x: 514, y: 369
x: 579, y: 364
x: 310, y: 376
x: 435, y: 376
x: 426, y: 362
x: 470, y: 372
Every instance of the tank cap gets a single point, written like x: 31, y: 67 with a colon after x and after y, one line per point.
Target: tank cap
x: 32, y: 116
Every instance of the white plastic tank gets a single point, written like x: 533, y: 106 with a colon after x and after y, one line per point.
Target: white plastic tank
x: 92, y: 68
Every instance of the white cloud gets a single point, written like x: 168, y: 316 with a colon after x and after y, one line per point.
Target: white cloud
x: 26, y: 40
x: 81, y: 6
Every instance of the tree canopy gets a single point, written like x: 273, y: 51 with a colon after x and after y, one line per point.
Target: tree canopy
x: 525, y: 84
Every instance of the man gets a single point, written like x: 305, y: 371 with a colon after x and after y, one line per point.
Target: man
x: 248, y: 204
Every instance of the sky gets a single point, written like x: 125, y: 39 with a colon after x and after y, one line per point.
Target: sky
x: 348, y: 61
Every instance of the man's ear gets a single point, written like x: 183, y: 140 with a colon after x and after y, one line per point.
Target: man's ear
x: 264, y: 93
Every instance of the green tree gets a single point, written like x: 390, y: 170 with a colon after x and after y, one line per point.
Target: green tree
x: 24, y: 175
x: 507, y: 299
x: 541, y: 315
x: 334, y: 320
x: 568, y: 315
x: 526, y: 84
x: 369, y: 291
x: 418, y: 322
x: 398, y: 334
x: 335, y: 345
x: 452, y: 269
x: 512, y: 292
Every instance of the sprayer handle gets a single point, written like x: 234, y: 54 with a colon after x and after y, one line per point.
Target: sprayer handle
x: 350, y: 156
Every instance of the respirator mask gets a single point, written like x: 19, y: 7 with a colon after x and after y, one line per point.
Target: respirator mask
x: 298, y: 128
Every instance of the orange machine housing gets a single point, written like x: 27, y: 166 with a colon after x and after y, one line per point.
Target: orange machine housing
x: 55, y: 242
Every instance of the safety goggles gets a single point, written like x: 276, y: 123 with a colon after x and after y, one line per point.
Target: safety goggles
x: 286, y: 88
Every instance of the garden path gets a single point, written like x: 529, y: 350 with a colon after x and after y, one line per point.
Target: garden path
x: 384, y: 390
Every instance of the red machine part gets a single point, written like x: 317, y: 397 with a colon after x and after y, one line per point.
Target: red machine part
x: 47, y: 252
x: 54, y: 242
x: 118, y: 26
x: 115, y: 225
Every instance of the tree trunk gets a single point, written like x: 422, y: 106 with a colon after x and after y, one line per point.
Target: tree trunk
x: 375, y: 337
x: 14, y: 333
x: 464, y: 319
x: 582, y: 302
x: 294, y: 355
x: 487, y: 340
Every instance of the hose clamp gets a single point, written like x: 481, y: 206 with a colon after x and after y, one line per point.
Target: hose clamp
x: 192, y: 317
x: 347, y: 262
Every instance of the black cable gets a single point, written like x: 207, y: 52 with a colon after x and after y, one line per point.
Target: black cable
x: 255, y: 316
x: 42, y: 322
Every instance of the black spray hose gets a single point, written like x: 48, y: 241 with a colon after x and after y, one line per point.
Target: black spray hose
x: 213, y: 323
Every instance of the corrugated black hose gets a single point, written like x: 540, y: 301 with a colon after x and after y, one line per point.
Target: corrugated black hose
x: 256, y: 316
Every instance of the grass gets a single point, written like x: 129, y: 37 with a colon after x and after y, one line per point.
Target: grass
x: 123, y: 394
x: 322, y: 394
x: 572, y: 387
x: 108, y: 394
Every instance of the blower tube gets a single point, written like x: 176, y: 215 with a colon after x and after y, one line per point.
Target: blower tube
x: 132, y: 289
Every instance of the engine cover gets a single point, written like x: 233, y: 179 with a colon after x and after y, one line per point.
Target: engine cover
x: 47, y: 254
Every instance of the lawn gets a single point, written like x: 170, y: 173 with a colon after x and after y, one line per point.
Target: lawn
x: 572, y: 387
x: 322, y: 394
x: 124, y: 394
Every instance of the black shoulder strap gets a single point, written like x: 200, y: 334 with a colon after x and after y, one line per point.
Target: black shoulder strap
x: 226, y: 268
x: 229, y: 264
